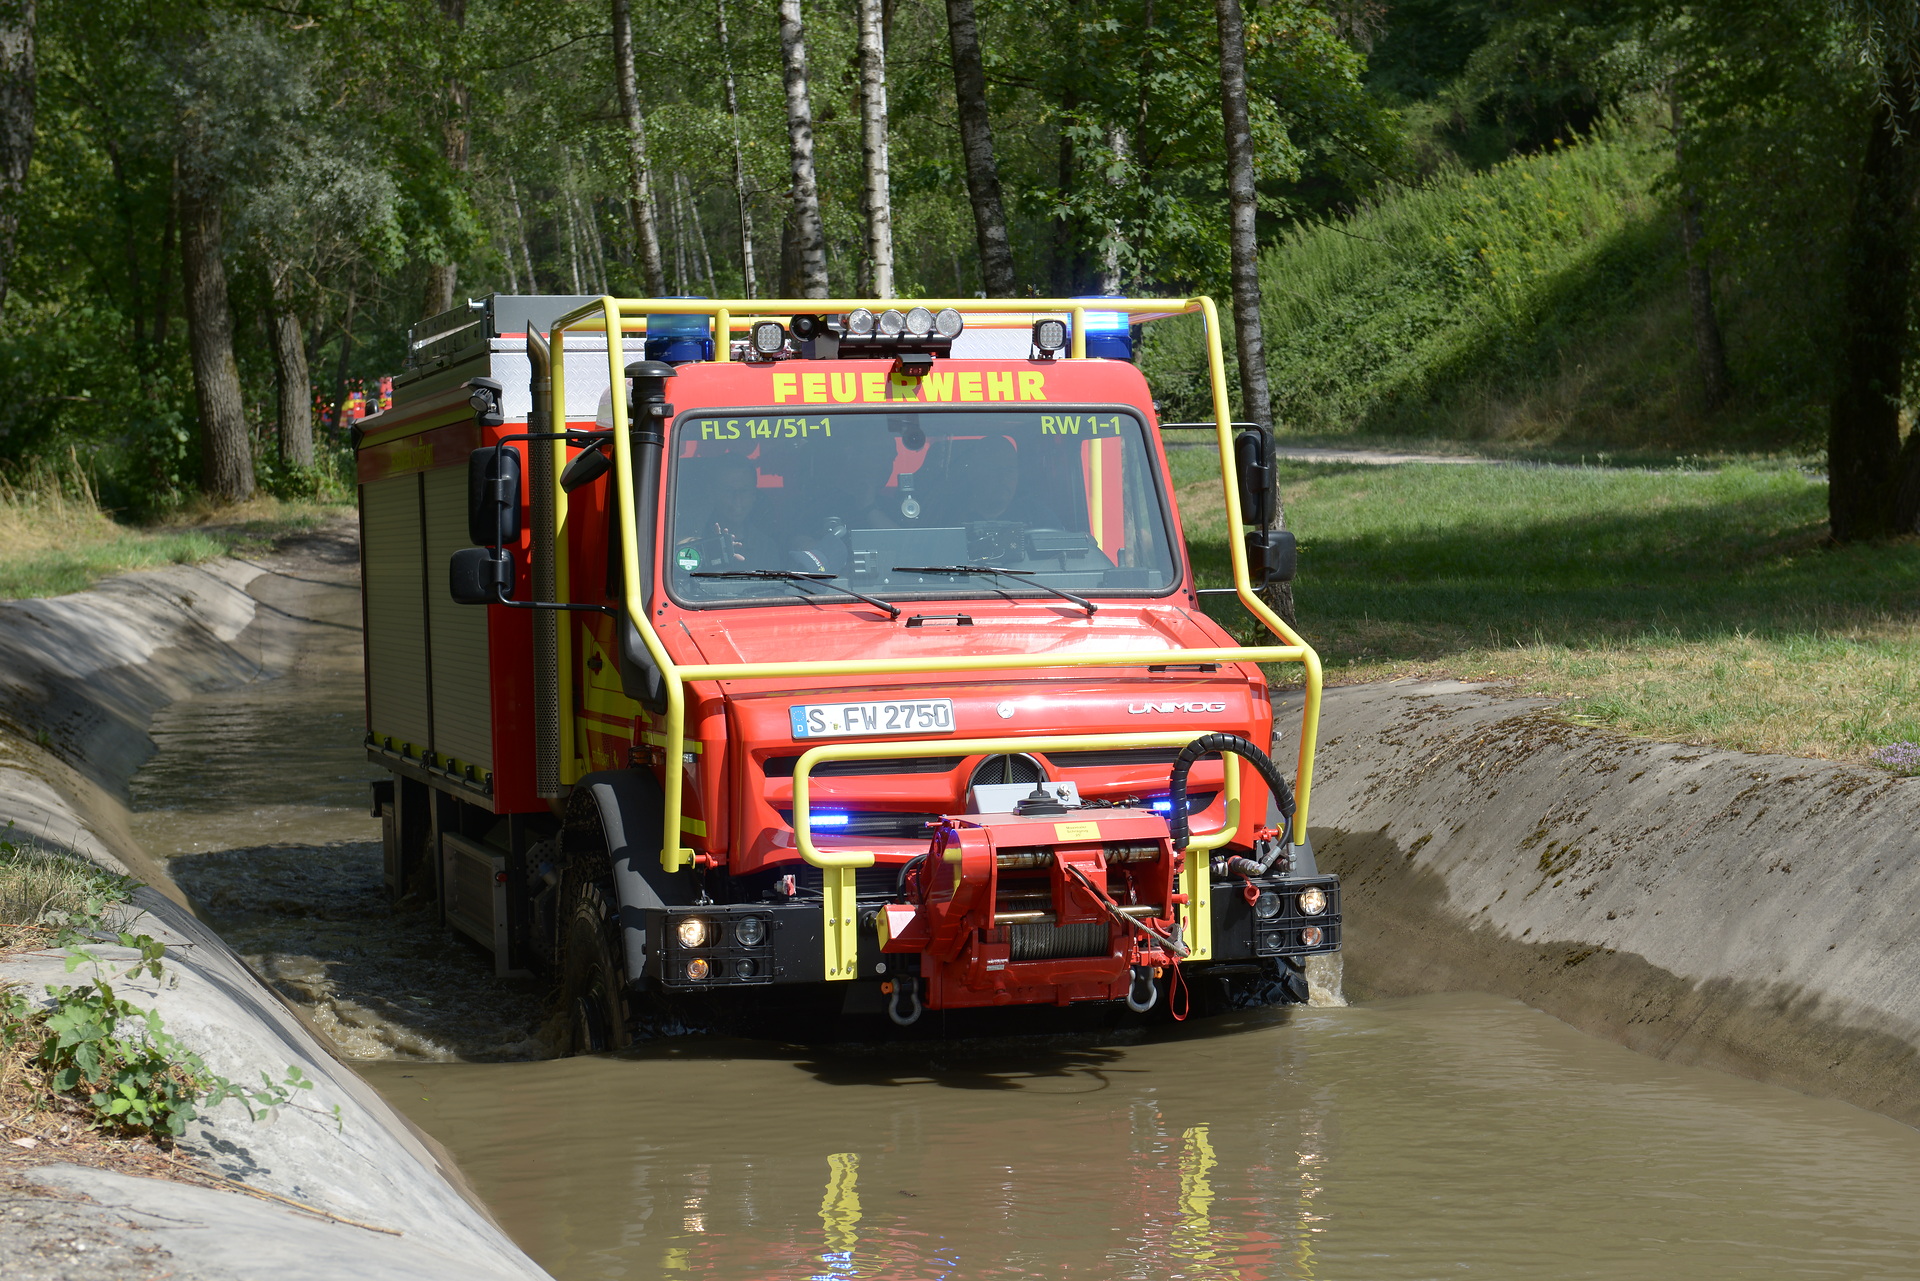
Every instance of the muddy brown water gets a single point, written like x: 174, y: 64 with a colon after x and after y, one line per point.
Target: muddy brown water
x: 1458, y: 1135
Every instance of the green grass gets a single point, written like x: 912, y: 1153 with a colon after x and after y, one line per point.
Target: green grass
x: 59, y: 540
x: 1694, y: 605
x: 1535, y: 307
x: 41, y: 890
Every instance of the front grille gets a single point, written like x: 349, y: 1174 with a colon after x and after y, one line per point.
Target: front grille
x: 1052, y: 942
x: 1120, y: 756
x: 782, y: 766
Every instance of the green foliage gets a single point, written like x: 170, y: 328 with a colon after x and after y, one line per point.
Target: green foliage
x: 97, y: 1047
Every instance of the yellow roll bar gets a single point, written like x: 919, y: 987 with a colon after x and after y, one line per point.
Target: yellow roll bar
x: 619, y: 317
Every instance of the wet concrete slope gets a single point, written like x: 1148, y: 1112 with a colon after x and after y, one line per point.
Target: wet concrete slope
x: 81, y: 677
x: 1757, y: 914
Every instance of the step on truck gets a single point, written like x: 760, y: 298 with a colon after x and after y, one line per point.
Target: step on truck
x: 746, y: 660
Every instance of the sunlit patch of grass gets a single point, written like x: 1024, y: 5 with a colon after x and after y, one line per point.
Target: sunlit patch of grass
x: 59, y: 539
x: 1694, y: 605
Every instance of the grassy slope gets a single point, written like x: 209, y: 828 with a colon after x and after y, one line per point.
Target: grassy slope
x: 59, y: 541
x: 1538, y: 306
x: 1698, y: 606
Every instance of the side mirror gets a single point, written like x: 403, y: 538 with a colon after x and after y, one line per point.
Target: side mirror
x: 1273, y: 555
x: 480, y: 575
x: 493, y: 497
x: 1253, y: 470
x: 587, y: 466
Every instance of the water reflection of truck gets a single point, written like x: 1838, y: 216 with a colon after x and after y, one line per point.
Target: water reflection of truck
x: 829, y: 649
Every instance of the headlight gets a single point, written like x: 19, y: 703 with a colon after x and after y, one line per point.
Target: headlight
x: 1311, y: 936
x: 1267, y: 906
x: 745, y: 968
x: 698, y: 969
x: 750, y: 932
x: 692, y: 932
x: 1313, y: 901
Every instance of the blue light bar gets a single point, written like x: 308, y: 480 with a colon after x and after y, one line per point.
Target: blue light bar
x: 678, y: 339
x: 828, y: 819
x: 1165, y: 807
x: 1107, y: 331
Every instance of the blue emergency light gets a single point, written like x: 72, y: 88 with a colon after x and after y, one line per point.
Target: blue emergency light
x: 679, y: 339
x: 1108, y: 333
x: 828, y: 818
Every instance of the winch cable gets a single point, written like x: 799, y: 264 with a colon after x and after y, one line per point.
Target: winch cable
x: 1177, y: 795
x: 1174, y: 946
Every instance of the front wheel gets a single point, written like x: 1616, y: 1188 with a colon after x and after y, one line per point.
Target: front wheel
x: 593, y: 980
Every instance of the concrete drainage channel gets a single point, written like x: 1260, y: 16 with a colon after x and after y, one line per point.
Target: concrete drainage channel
x: 363, y: 1195
x: 1747, y: 913
x: 1754, y: 914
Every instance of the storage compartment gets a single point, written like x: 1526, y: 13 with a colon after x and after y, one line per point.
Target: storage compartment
x: 475, y: 879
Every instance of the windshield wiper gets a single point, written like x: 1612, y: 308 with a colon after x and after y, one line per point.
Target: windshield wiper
x: 796, y: 576
x: 1081, y: 601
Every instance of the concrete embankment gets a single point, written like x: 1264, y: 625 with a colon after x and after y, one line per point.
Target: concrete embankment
x: 80, y: 677
x: 1756, y: 914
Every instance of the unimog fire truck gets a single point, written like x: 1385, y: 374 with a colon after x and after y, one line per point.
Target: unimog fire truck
x: 829, y: 656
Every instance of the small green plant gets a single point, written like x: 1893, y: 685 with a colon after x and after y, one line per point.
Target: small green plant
x: 101, y: 1050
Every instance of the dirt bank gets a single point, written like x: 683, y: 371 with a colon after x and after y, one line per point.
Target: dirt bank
x: 1755, y: 914
x: 80, y: 677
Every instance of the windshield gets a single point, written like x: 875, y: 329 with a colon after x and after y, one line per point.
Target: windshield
x: 1067, y: 497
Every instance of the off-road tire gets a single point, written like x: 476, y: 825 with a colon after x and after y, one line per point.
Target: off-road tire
x: 593, y: 982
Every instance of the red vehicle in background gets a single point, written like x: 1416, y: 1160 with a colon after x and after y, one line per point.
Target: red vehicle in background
x: 844, y: 648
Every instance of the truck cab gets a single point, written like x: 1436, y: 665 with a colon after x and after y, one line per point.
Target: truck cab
x: 831, y: 656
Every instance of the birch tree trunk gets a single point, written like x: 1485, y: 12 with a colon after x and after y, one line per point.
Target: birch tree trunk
x: 873, y: 145
x: 520, y: 233
x: 740, y: 193
x: 226, y: 456
x: 17, y: 85
x: 291, y: 379
x: 1242, y: 209
x: 646, y: 233
x: 976, y: 143
x: 809, y: 241
x: 443, y: 276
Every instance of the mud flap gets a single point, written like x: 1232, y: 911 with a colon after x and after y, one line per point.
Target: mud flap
x: 631, y: 807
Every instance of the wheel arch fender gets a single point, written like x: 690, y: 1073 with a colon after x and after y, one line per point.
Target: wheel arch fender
x: 630, y: 807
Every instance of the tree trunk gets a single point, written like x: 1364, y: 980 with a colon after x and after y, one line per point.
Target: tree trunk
x: 1112, y: 269
x: 226, y: 455
x: 163, y: 296
x: 699, y: 233
x: 17, y: 83
x: 976, y: 143
x: 291, y: 382
x: 1863, y: 430
x: 809, y: 241
x: 443, y: 276
x: 1242, y: 211
x: 1715, y: 381
x: 646, y: 233
x: 873, y: 146
x: 520, y: 232
x: 739, y: 157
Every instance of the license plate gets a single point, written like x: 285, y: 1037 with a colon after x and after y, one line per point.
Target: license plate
x: 849, y: 720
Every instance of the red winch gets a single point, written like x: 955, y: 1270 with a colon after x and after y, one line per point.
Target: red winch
x: 1049, y: 906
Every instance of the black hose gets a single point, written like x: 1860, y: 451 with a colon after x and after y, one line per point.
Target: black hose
x: 1177, y: 794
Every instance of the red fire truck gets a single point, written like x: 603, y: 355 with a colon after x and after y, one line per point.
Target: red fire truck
x: 845, y: 657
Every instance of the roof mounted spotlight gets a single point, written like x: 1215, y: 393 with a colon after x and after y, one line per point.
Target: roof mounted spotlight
x: 860, y: 323
x: 893, y: 323
x: 767, y: 340
x: 1049, y: 338
x: 486, y: 395
x: 919, y: 322
x: 948, y: 323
